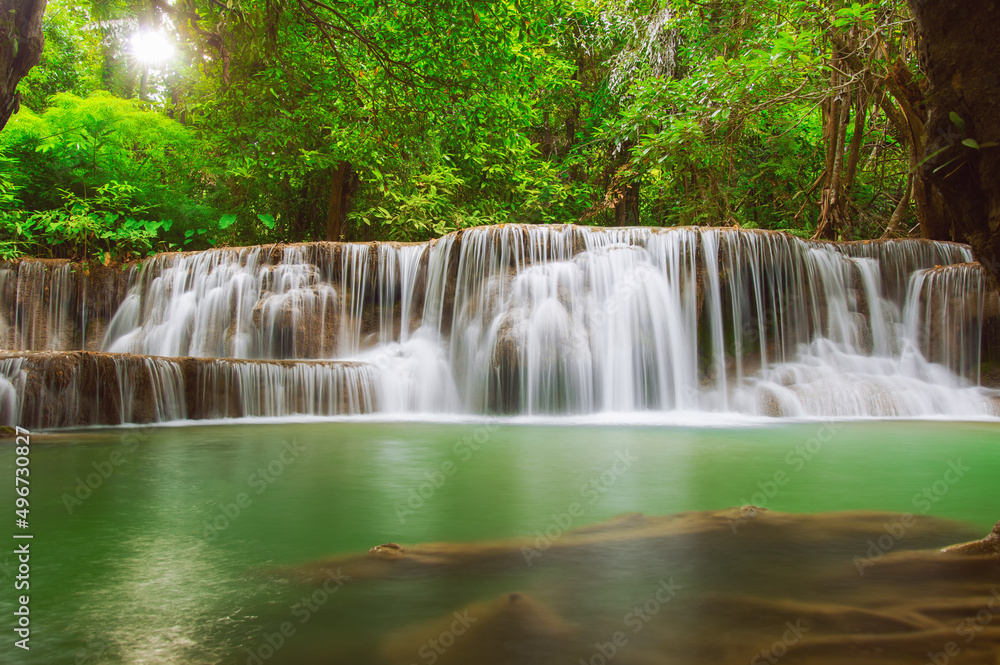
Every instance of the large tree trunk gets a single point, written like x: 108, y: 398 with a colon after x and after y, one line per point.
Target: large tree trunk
x: 627, y: 208
x: 21, y: 44
x: 957, y: 187
x: 833, y: 212
x: 345, y: 183
x: 857, y: 139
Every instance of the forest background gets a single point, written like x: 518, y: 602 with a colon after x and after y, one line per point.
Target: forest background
x: 151, y: 125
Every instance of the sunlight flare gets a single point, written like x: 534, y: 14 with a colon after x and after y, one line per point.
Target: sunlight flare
x: 152, y: 48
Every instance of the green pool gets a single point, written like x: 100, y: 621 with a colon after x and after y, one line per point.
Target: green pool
x: 159, y: 545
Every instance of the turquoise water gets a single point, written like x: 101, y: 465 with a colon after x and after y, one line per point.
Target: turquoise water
x: 157, y: 545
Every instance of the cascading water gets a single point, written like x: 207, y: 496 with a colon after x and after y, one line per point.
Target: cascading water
x: 572, y: 320
x: 239, y: 389
x: 67, y: 389
x: 228, y: 303
x: 57, y: 305
x: 47, y: 324
x: 944, y: 313
x: 11, y: 385
x: 899, y: 259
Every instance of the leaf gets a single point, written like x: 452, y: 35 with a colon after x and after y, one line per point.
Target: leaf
x: 971, y: 143
x: 226, y: 221
x: 950, y: 161
x: 267, y: 220
x: 933, y: 155
x: 957, y: 120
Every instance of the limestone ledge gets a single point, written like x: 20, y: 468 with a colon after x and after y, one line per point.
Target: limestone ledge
x: 77, y: 388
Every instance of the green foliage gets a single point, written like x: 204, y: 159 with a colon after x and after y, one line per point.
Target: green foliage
x: 98, y: 153
x: 423, y: 118
x: 83, y: 228
x: 409, y: 93
x: 9, y: 215
x: 735, y: 133
x: 83, y: 143
x: 428, y: 205
x: 71, y: 61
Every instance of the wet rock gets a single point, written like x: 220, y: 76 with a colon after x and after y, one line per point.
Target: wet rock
x: 988, y: 546
x: 386, y: 551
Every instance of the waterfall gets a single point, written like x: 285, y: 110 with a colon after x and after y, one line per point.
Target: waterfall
x: 400, y: 267
x: 831, y: 380
x: 247, y: 303
x: 943, y: 316
x: 56, y: 305
x: 540, y: 320
x: 239, y: 389
x: 12, y: 379
x: 42, y: 295
x: 60, y: 389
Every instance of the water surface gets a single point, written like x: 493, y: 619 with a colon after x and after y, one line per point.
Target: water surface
x: 160, y: 544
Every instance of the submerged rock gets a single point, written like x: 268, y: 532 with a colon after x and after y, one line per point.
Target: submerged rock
x: 513, y: 629
x: 742, y: 585
x: 721, y: 536
x: 988, y: 546
x: 388, y: 550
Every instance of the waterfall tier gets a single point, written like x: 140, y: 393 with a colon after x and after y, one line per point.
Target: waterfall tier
x: 521, y: 319
x: 56, y: 305
x: 64, y: 389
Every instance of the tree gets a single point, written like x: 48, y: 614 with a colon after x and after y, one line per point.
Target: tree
x: 337, y: 118
x: 763, y: 113
x: 71, y: 61
x: 371, y: 120
x: 86, y: 166
x: 22, y: 40
x: 958, y: 180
